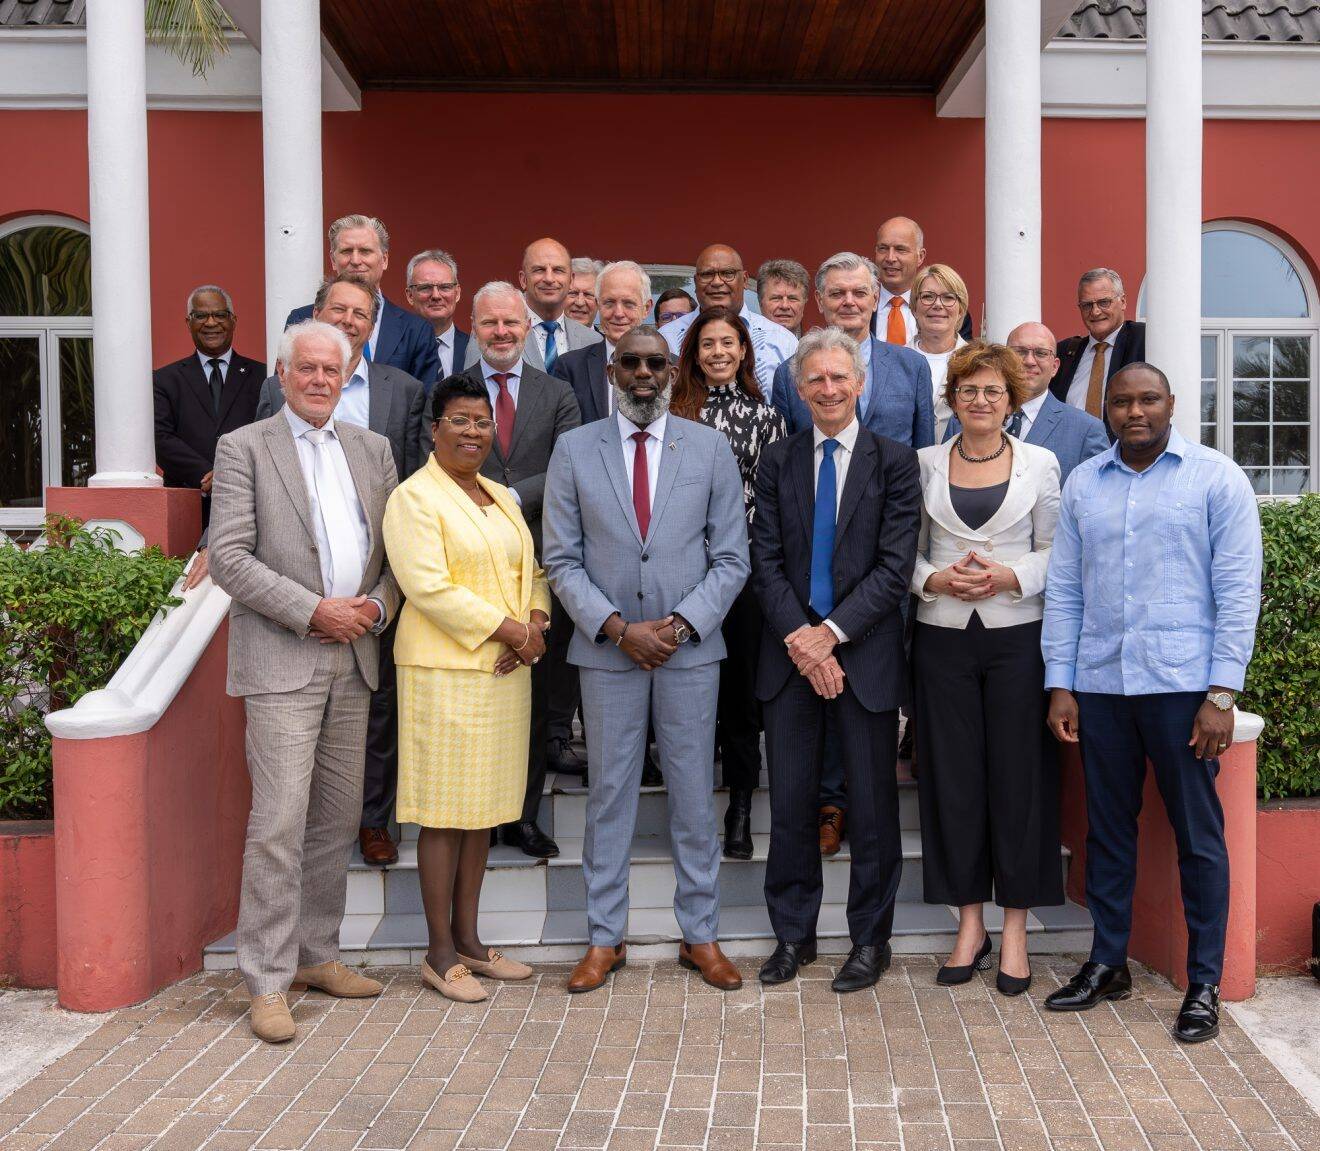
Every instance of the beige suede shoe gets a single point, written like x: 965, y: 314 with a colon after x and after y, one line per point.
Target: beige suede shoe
x: 335, y: 979
x: 457, y: 983
x: 497, y: 966
x: 270, y: 1018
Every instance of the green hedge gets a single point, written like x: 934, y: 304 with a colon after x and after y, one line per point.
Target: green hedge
x: 69, y: 614
x: 1283, y: 683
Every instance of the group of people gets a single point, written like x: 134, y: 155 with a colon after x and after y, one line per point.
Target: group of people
x: 688, y: 531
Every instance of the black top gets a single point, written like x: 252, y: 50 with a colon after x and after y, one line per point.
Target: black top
x: 975, y: 506
x: 749, y: 425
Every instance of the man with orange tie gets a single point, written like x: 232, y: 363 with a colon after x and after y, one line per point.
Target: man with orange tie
x: 1087, y: 363
x: 900, y: 251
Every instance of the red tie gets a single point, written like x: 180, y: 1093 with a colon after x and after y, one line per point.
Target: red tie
x: 641, y: 485
x: 503, y: 412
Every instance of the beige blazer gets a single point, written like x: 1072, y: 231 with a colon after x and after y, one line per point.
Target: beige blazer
x: 263, y: 552
x: 1019, y: 535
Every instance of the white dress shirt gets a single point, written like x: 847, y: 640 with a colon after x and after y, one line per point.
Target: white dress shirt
x: 354, y: 405
x: 847, y: 440
x: 444, y: 351
x: 1081, y: 380
x: 882, y: 315
x: 224, y: 359
x: 609, y: 387
x: 655, y: 444
x: 539, y: 333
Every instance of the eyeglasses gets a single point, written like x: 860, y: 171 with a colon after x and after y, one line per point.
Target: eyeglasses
x: 462, y: 423
x: 728, y: 275
x: 433, y: 289
x: 1096, y: 305
x: 947, y: 299
x: 221, y: 314
x: 993, y: 393
x: 631, y: 361
x: 665, y: 317
x: 1036, y: 354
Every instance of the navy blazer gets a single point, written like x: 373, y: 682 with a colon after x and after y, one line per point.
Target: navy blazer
x: 406, y: 342
x: 584, y: 369
x: 875, y: 548
x: 1070, y: 433
x: 1129, y: 348
x: 900, y: 406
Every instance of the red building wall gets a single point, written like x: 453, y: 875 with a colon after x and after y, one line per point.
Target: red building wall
x: 655, y: 179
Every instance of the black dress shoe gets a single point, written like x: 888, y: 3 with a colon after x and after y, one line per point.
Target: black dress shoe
x: 863, y: 967
x: 1011, y: 985
x: 561, y: 757
x: 738, y: 825
x: 530, y: 840
x: 783, y: 964
x: 1199, y: 1018
x: 651, y: 776
x: 1093, y: 984
x: 950, y: 976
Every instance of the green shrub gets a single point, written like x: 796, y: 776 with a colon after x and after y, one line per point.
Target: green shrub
x: 69, y: 614
x: 1283, y: 683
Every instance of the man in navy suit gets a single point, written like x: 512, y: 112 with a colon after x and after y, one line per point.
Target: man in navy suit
x: 1112, y: 341
x: 434, y: 292
x: 1070, y: 433
x: 360, y: 247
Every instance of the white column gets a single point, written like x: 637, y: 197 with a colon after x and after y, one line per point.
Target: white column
x: 291, y: 148
x: 1173, y: 203
x: 1012, y: 165
x: 121, y: 253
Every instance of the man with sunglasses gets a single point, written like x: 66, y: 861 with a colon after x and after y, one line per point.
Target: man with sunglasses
x: 1087, y: 363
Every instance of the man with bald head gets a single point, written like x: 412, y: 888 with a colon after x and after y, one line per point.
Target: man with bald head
x: 1070, y: 433
x: 545, y: 277
x: 720, y: 278
x: 900, y: 251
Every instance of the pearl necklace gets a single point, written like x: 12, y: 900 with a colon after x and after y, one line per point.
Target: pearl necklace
x: 1003, y: 443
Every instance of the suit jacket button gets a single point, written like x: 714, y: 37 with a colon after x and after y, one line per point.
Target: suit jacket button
x: 989, y: 545
x: 645, y: 557
x: 640, y: 596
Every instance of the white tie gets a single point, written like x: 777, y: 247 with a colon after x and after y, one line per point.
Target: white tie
x: 335, y: 508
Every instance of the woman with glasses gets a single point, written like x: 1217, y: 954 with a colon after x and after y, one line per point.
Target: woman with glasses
x: 475, y: 620
x: 988, y: 789
x: 716, y: 385
x: 939, y: 305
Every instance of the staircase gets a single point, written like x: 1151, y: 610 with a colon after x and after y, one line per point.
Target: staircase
x: 536, y: 909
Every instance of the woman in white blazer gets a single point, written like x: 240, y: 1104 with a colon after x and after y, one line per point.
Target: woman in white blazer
x: 988, y: 786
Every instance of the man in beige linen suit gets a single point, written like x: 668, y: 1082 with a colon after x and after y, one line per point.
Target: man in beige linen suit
x: 298, y: 501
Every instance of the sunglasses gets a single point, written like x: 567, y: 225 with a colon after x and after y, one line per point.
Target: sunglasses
x: 631, y: 361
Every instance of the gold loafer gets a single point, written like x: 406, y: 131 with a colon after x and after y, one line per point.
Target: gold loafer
x: 457, y: 983
x: 497, y: 966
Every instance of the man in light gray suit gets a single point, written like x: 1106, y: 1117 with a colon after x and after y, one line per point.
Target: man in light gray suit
x: 296, y: 541
x: 646, y: 547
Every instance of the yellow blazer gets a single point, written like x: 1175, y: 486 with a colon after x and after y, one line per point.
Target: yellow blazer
x: 457, y: 582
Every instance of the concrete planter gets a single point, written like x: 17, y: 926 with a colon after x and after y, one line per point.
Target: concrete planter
x: 27, y: 903
x: 1287, y: 882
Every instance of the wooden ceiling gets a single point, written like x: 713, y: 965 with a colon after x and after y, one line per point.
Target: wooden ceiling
x: 869, y: 46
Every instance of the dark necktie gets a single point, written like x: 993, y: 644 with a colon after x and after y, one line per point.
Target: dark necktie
x: 1015, y: 425
x: 822, y: 534
x: 641, y: 484
x: 551, y: 351
x: 504, y: 411
x: 217, y: 382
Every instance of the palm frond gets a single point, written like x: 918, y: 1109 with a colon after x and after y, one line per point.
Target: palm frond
x: 194, y: 30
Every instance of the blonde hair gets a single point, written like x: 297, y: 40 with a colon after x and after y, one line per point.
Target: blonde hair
x: 947, y: 279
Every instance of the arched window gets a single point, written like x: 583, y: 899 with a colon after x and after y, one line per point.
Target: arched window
x: 46, y: 421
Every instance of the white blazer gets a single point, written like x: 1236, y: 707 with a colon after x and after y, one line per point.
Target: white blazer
x: 1018, y: 535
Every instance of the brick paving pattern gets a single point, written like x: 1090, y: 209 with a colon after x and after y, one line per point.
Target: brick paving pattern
x: 660, y: 1060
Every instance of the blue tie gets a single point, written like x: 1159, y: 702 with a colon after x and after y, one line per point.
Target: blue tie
x: 551, y: 352
x: 822, y: 534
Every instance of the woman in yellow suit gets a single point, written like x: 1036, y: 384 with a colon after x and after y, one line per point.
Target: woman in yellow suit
x: 476, y: 613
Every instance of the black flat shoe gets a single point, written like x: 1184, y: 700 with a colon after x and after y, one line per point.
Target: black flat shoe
x: 651, y: 776
x: 530, y: 840
x: 863, y: 968
x: 784, y: 962
x: 1198, y: 1019
x: 1093, y: 984
x: 948, y: 976
x: 738, y: 826
x: 1011, y: 985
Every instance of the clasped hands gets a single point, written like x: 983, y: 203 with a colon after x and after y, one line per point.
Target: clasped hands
x: 648, y: 643
x: 524, y: 643
x: 812, y: 651
x: 342, y: 620
x: 972, y: 578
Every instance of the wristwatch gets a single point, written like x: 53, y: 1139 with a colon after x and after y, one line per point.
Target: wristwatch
x: 682, y: 633
x: 1223, y: 700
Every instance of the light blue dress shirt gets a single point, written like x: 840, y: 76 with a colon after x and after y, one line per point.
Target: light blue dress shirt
x: 1154, y: 577
x: 354, y: 405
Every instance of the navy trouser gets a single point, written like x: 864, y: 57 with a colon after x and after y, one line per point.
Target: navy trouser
x: 1118, y: 734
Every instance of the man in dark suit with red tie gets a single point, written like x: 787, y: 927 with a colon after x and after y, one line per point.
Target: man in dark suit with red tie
x: 200, y: 397
x: 1087, y: 363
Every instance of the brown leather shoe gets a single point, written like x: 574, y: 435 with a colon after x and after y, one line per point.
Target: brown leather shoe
x: 378, y: 848
x: 595, y: 967
x: 715, y: 967
x: 832, y: 825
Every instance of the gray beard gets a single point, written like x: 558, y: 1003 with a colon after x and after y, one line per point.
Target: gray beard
x: 643, y: 414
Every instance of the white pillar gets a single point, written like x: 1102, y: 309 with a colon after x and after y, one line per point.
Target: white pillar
x: 1173, y: 203
x: 1012, y: 165
x: 121, y: 253
x: 291, y: 150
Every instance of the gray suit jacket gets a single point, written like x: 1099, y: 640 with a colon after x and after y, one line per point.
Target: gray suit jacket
x: 578, y: 335
x: 693, y: 561
x: 263, y: 552
x: 396, y: 409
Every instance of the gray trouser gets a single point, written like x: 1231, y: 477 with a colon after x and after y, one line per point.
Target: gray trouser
x: 304, y: 752
x: 617, y: 706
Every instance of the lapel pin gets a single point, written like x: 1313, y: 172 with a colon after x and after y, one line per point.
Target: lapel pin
x: 671, y: 445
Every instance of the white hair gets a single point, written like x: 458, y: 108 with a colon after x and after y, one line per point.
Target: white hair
x: 359, y: 221
x: 848, y: 262
x: 436, y: 255
x: 209, y: 288
x: 828, y: 340
x: 494, y: 288
x: 580, y: 265
x: 292, y: 334
x: 626, y: 266
x: 1097, y: 274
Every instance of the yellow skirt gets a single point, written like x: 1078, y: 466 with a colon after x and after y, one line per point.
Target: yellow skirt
x: 463, y: 739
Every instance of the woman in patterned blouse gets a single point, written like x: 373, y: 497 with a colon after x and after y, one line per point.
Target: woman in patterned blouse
x: 717, y: 386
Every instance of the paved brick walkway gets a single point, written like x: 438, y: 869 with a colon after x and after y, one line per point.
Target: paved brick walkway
x: 661, y: 1060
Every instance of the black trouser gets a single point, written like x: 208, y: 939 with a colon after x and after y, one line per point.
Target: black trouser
x: 795, y: 737
x: 739, y: 713
x: 564, y: 692
x: 989, y: 784
x: 380, y: 771
x: 1118, y: 734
